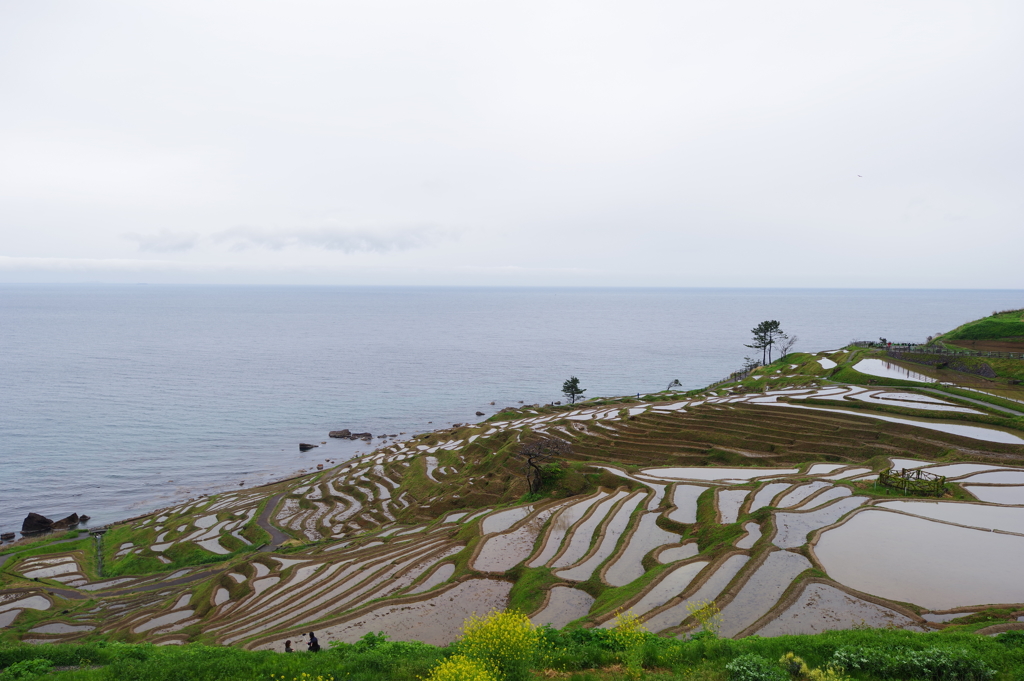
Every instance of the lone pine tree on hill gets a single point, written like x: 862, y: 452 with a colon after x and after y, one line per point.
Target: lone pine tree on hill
x: 766, y: 334
x: 571, y: 389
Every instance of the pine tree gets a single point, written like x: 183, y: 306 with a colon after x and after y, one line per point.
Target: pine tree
x: 571, y: 389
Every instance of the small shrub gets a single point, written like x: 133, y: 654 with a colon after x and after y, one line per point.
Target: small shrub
x: 1011, y: 639
x: 799, y: 671
x: 939, y: 664
x: 460, y: 668
x: 753, y: 668
x: 26, y: 669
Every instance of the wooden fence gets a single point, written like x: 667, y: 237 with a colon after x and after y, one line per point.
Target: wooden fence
x: 913, y: 481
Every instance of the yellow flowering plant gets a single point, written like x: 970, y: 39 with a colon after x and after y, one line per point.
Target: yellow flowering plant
x: 504, y: 640
x: 707, y: 615
x: 460, y: 668
x: 630, y: 633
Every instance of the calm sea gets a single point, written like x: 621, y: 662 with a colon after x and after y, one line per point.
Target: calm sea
x: 119, y: 399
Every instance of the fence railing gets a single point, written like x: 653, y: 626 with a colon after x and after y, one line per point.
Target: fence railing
x: 927, y: 349
x: 913, y: 481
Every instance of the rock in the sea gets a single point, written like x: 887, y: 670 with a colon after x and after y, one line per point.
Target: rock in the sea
x: 303, y: 447
x: 35, y: 523
x: 361, y: 436
x: 479, y: 413
x: 7, y: 536
x: 319, y: 466
x: 340, y: 433
x: 84, y: 518
x: 66, y: 523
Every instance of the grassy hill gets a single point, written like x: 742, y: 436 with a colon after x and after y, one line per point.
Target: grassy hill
x: 994, y: 332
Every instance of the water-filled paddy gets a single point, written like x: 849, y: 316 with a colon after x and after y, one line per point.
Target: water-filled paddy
x: 974, y: 515
x: 673, y: 553
x: 763, y: 497
x: 560, y: 525
x: 715, y: 473
x: 957, y: 470
x: 822, y: 468
x: 61, y: 628
x: 612, y: 532
x: 675, y: 581
x: 753, y: 533
x: 163, y: 620
x: 502, y: 552
x: 629, y: 565
x: 762, y: 590
x: 913, y: 560
x: 973, y: 432
x: 800, y: 493
x: 792, y: 528
x: 685, y: 499
x: 502, y: 520
x: 825, y: 497
x: 821, y: 607
x: 883, y: 369
x: 729, y: 502
x: 998, y: 478
x: 436, y: 621
x: 998, y: 495
x: 583, y: 533
x: 565, y: 604
x: 441, y: 575
x: 715, y: 584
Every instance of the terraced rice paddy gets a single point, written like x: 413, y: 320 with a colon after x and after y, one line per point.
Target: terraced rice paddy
x: 744, y: 498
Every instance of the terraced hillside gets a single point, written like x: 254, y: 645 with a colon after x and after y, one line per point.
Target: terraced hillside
x: 759, y: 495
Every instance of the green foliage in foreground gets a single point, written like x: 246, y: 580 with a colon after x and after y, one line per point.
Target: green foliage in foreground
x: 866, y: 654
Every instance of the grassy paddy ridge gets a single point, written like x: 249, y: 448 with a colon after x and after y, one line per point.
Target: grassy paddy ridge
x: 759, y: 496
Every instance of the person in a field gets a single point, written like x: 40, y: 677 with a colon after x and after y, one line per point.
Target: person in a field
x: 288, y: 647
x: 314, y: 645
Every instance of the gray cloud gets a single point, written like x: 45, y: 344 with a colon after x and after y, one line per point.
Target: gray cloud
x: 164, y: 241
x: 347, y: 240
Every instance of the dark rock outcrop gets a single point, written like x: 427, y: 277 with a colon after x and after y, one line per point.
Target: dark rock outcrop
x: 479, y: 413
x: 303, y: 447
x: 347, y: 434
x: 66, y: 523
x: 7, y: 536
x: 35, y: 523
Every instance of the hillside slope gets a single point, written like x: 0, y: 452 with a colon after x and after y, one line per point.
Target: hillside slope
x: 759, y: 495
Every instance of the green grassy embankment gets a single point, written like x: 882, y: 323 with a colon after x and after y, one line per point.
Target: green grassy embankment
x: 575, y: 654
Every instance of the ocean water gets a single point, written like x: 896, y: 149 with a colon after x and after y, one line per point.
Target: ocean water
x: 115, y: 400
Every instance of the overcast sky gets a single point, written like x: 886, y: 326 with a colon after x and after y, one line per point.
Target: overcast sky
x: 853, y: 144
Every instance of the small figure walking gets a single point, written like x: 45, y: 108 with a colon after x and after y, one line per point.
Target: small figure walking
x: 288, y: 647
x: 314, y: 645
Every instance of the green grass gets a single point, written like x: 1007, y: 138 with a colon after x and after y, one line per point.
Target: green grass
x: 573, y: 653
x: 530, y: 587
x: 991, y: 328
